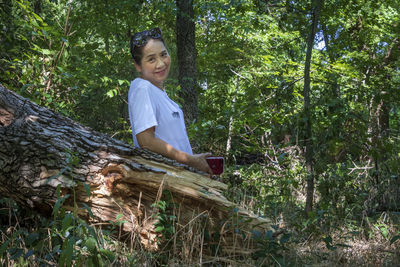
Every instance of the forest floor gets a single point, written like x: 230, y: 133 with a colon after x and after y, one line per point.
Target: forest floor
x: 323, y: 239
x: 359, y: 253
x: 373, y: 241
x: 369, y: 245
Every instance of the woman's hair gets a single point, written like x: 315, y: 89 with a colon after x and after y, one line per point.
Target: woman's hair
x: 140, y: 39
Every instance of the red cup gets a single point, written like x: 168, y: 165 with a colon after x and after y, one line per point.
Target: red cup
x: 216, y: 164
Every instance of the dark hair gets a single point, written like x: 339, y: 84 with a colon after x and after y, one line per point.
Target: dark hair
x: 140, y: 39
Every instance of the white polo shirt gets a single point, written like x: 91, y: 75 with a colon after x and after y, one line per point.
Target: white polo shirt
x: 150, y: 106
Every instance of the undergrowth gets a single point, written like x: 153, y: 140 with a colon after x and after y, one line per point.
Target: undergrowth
x: 67, y: 240
x: 356, y: 216
x: 347, y: 225
x: 29, y: 239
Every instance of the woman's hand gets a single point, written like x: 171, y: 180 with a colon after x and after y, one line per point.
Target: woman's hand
x: 199, y: 162
x: 147, y: 139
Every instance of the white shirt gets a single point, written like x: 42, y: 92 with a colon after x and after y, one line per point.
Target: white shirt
x: 150, y: 106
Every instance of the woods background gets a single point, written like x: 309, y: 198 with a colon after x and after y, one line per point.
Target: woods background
x: 301, y: 97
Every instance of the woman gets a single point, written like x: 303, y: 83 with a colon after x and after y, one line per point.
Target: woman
x: 157, y: 121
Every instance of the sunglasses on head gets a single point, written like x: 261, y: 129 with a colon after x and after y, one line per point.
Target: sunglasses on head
x: 140, y: 39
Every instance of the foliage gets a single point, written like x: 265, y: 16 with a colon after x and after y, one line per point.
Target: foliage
x: 64, y: 240
x: 165, y: 217
x: 73, y: 57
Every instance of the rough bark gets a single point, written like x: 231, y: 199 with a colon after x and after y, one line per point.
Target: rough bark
x: 186, y: 48
x: 41, y: 150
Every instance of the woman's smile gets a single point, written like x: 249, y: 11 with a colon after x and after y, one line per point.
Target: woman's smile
x: 155, y: 63
x: 161, y: 72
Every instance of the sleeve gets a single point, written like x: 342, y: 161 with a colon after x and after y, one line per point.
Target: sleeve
x: 142, y: 108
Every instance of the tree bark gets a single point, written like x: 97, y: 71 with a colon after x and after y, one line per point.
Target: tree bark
x: 230, y: 126
x: 186, y: 49
x: 37, y: 7
x: 41, y: 150
x: 307, y: 106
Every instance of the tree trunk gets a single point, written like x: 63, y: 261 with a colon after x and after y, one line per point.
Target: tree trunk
x: 307, y: 113
x: 186, y: 49
x: 37, y: 6
x: 41, y: 150
x: 230, y: 126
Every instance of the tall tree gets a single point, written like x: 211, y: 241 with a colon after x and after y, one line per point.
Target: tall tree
x: 316, y: 7
x: 186, y: 50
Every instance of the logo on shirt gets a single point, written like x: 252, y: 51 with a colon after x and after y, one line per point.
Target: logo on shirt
x: 175, y: 114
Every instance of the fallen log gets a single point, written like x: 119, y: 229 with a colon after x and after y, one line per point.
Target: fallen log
x: 41, y: 151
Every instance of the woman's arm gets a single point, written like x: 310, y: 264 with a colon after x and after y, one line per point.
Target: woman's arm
x: 147, y: 139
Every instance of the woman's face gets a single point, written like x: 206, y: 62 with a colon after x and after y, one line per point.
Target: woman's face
x: 155, y: 63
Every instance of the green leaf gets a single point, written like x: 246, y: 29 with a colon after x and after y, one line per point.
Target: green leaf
x: 15, y: 253
x: 88, y: 209
x: 384, y: 232
x: 112, y: 93
x: 4, y: 247
x: 159, y: 228
x: 56, y: 249
x: 66, y: 222
x: 269, y: 235
x: 394, y: 239
x: 35, y: 24
x: 87, y: 189
x: 47, y: 52
x: 121, y: 82
x: 58, y: 204
x: 29, y: 253
x: 66, y: 252
x: 285, y: 238
x: 108, y: 254
x: 328, y: 239
x: 45, y: 33
x: 31, y: 238
x: 91, y: 244
x: 37, y: 17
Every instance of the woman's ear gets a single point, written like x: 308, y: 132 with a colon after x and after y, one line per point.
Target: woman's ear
x: 138, y: 67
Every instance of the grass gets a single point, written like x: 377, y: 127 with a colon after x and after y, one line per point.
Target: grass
x: 370, y: 242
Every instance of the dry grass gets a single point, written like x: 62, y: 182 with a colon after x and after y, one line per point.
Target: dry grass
x: 360, y: 252
x: 190, y: 247
x: 203, y: 242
